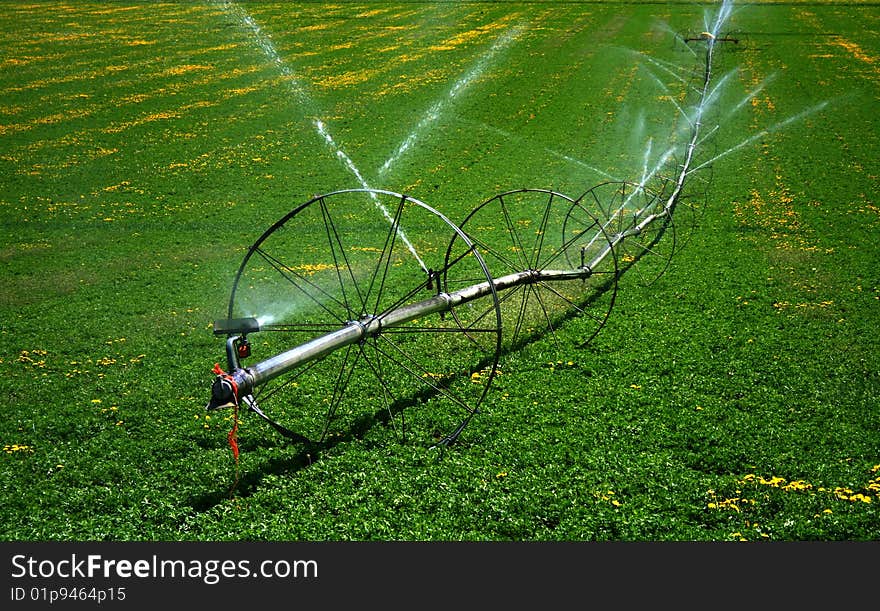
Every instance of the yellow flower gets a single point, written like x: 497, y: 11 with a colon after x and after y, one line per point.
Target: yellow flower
x: 797, y: 485
x: 842, y: 493
x: 773, y: 481
x: 17, y: 447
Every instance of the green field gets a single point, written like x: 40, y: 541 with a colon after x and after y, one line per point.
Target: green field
x: 144, y: 147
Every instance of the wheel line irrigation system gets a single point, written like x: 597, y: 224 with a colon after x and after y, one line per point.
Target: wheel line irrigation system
x: 386, y: 311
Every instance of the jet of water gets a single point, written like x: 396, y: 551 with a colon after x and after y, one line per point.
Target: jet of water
x: 751, y: 95
x: 668, y: 67
x: 434, y: 112
x: 764, y: 132
x: 514, y: 137
x: 264, y: 42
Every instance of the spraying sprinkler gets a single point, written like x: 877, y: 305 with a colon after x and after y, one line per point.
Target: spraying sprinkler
x: 366, y: 318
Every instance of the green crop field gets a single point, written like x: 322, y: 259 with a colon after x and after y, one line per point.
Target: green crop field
x: 144, y: 147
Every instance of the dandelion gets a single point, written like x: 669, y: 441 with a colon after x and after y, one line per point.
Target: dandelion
x: 774, y: 481
x: 797, y: 485
x: 606, y: 496
x: 17, y: 447
x: 842, y: 492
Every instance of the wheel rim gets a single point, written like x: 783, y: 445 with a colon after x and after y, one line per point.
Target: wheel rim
x: 623, y: 206
x: 525, y: 229
x: 356, y: 255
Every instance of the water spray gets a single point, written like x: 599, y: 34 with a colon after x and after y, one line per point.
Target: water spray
x: 378, y: 332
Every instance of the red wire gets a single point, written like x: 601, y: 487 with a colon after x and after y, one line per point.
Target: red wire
x: 232, y: 436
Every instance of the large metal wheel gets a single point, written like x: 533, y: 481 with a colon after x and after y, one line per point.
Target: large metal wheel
x: 358, y: 255
x: 641, y: 229
x: 524, y: 230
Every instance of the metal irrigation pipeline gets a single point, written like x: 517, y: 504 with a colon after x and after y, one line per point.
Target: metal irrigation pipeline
x: 361, y: 326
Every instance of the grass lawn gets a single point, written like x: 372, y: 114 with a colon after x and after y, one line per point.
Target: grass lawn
x: 144, y: 147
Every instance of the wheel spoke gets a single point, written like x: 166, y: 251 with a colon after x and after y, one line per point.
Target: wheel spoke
x: 288, y: 273
x: 340, y: 386
x: 375, y: 366
x: 337, y: 263
x: 390, y: 240
x: 419, y: 372
x: 533, y: 229
x: 335, y: 242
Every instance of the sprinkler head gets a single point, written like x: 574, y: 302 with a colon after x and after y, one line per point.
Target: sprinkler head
x: 236, y: 326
